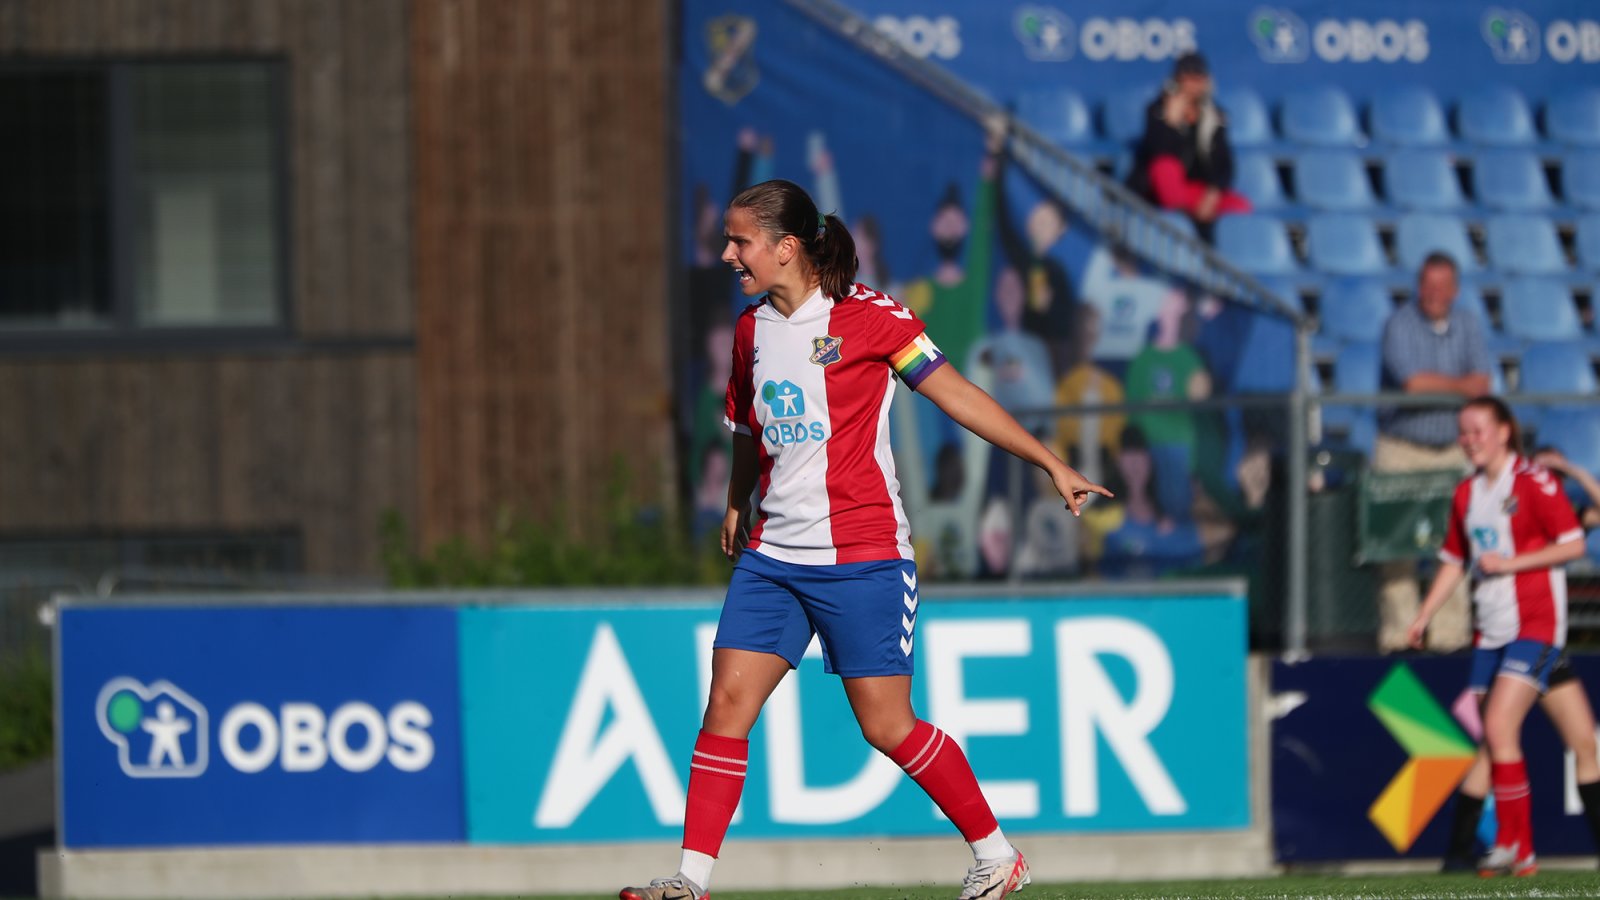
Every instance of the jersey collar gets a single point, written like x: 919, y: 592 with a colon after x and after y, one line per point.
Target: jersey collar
x: 814, y: 306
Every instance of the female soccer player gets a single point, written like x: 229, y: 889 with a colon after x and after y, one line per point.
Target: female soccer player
x: 827, y: 549
x: 1512, y: 522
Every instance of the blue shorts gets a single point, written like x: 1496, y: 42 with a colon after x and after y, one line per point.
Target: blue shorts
x: 865, y: 613
x: 1530, y: 661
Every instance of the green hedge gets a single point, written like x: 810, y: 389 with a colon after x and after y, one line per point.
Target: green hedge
x: 25, y: 721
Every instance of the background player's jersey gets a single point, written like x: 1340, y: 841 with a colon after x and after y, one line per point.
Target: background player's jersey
x: 814, y: 391
x: 1521, y: 511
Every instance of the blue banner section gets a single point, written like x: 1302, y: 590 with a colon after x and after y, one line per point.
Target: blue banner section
x: 1332, y: 758
x: 1364, y: 46
x: 185, y: 726
x: 1077, y: 715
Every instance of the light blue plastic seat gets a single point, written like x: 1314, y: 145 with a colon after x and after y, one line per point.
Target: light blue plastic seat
x: 1572, y: 115
x: 1524, y: 245
x: 1408, y: 115
x: 1539, y: 309
x: 1333, y: 180
x: 1495, y: 115
x: 1422, y: 179
x: 1249, y: 124
x: 1255, y: 175
x: 1256, y: 243
x: 1356, y: 370
x: 1059, y: 114
x: 1345, y: 244
x: 1418, y: 234
x: 1320, y: 115
x: 1122, y: 112
x: 1588, y: 242
x: 1511, y: 180
x: 1580, y: 179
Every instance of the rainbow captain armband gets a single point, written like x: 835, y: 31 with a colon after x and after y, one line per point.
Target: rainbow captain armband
x: 916, y: 360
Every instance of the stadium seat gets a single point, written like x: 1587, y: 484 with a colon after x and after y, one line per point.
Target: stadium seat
x: 1249, y: 125
x: 1525, y: 245
x: 1356, y: 370
x: 1408, y: 115
x: 1580, y: 179
x: 1354, y: 309
x: 1559, y: 367
x: 1572, y: 115
x: 1255, y: 175
x: 1511, y: 180
x: 1057, y: 113
x: 1345, y: 244
x: 1500, y: 344
x: 1256, y: 243
x: 1495, y: 115
x: 1322, y: 115
x: 1419, y: 234
x: 1588, y: 242
x: 1332, y: 180
x: 1423, y: 179
x: 1122, y: 112
x: 1540, y: 309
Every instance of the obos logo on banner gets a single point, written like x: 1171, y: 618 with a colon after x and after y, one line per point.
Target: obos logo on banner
x: 1281, y: 36
x: 1047, y: 33
x: 251, y: 725
x: 1080, y: 715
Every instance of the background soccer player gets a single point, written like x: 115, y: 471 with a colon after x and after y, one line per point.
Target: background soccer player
x: 1511, y: 521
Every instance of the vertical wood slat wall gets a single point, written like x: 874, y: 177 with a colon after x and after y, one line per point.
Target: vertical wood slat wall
x: 318, y: 435
x: 541, y: 266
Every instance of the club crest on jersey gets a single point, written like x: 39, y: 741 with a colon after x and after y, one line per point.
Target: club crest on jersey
x: 825, y: 349
x: 1509, y: 505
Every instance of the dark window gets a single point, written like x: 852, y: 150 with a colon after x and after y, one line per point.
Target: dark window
x: 141, y: 197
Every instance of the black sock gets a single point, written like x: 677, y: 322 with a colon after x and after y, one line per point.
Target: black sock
x: 1464, y: 826
x: 1590, y: 794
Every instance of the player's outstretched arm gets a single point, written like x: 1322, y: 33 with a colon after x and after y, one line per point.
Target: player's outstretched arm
x: 978, y: 412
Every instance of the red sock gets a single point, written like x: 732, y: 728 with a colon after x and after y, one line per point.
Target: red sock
x: 938, y: 766
x: 716, y: 777
x: 1511, y: 806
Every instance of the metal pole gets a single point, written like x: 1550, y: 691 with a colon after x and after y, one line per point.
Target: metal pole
x: 1299, y: 447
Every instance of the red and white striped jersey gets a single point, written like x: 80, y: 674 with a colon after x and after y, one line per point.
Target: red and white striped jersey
x: 814, y: 391
x: 1522, y: 511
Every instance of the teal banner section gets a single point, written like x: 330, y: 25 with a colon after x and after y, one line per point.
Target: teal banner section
x: 1081, y: 714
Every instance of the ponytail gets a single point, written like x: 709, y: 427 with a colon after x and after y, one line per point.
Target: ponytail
x: 833, y: 253
x: 781, y: 208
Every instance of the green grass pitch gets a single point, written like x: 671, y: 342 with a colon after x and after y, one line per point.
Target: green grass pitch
x: 1561, y: 884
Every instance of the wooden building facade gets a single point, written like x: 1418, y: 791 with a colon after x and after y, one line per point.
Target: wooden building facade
x: 474, y: 280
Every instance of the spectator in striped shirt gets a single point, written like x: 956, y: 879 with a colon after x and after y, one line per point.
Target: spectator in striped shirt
x: 1429, y: 347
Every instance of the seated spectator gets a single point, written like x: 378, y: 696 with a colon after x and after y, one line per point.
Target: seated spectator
x: 1184, y: 161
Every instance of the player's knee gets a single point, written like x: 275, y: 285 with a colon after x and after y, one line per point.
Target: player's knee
x: 886, y: 735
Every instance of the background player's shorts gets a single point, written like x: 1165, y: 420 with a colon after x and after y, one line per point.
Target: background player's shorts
x: 864, y: 613
x: 1530, y: 661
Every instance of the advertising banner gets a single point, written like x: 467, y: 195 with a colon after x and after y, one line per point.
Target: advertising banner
x: 1367, y: 753
x: 1082, y: 714
x: 205, y: 726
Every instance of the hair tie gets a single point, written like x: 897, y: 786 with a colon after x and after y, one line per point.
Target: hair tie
x: 822, y: 224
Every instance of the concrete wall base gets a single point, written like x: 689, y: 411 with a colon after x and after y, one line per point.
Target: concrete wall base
x: 440, y: 870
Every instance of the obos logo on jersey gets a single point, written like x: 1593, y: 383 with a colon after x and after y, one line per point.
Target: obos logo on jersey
x: 786, y: 402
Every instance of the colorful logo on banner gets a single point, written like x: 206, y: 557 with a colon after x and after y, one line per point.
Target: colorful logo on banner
x: 1440, y: 757
x: 1512, y: 36
x: 732, y: 73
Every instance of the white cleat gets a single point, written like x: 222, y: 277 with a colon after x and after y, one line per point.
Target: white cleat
x: 995, y: 879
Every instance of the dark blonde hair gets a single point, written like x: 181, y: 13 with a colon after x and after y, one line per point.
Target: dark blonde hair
x: 1502, y: 414
x: 782, y: 207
